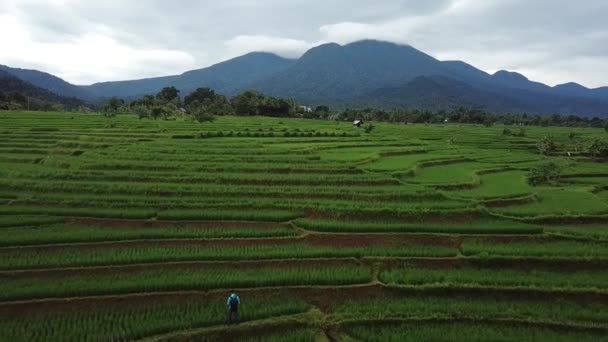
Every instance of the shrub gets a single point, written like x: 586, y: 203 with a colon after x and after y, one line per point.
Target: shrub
x: 369, y: 128
x: 599, y: 149
x: 546, y: 145
x: 544, y: 174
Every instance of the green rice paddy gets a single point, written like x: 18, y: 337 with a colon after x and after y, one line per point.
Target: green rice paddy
x: 137, y: 229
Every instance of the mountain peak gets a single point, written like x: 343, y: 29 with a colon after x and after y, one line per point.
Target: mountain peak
x: 571, y: 86
x: 509, y: 76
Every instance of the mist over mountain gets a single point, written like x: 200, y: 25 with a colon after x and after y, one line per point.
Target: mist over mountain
x: 364, y: 73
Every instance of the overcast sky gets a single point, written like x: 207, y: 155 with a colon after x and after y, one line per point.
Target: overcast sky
x: 86, y: 41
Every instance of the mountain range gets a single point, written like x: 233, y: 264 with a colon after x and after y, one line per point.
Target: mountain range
x: 364, y: 73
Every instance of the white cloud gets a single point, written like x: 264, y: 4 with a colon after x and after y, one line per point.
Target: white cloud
x: 285, y: 47
x: 553, y: 41
x: 89, y: 56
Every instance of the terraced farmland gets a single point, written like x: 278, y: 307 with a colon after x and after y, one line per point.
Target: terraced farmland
x: 137, y: 231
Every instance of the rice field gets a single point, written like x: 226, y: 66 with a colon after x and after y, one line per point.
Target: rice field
x: 138, y: 229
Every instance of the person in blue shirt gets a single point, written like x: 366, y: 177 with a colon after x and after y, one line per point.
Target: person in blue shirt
x: 232, y: 304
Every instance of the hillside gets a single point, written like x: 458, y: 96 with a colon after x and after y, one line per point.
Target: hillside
x: 12, y: 84
x: 226, y: 77
x: 49, y: 82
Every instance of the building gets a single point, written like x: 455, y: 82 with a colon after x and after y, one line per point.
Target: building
x: 357, y: 123
x: 306, y: 109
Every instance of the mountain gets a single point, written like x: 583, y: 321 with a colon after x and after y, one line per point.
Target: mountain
x: 235, y: 74
x: 49, y: 82
x: 388, y: 75
x: 129, y: 89
x: 333, y: 72
x: 362, y: 73
x: 226, y: 77
x: 11, y: 84
x: 444, y: 93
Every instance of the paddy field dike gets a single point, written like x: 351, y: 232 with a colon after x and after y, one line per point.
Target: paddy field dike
x: 137, y: 229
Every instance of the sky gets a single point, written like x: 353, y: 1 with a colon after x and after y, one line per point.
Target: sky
x: 87, y: 41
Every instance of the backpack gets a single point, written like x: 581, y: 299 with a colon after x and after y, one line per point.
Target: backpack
x: 233, y: 303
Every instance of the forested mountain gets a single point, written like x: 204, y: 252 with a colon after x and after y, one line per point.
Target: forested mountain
x: 22, y: 93
x: 49, y: 82
x: 358, y: 74
x: 226, y: 77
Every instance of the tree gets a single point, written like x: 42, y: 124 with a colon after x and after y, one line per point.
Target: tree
x: 112, y: 107
x: 322, y: 112
x: 141, y: 111
x: 203, y: 104
x: 247, y: 103
x: 599, y: 149
x: 546, y: 145
x: 606, y: 127
x: 168, y: 94
x: 200, y: 95
x: 544, y: 174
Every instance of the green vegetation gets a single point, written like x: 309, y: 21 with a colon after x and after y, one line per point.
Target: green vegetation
x: 469, y: 332
x: 130, y: 227
x: 137, y: 322
x: 470, y: 276
x: 74, y: 233
x: 539, y: 248
x: 449, y: 306
x: 179, y: 279
x: 190, y: 251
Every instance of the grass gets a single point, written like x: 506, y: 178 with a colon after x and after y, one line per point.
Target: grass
x: 129, y: 323
x: 420, y: 306
x: 498, y: 185
x: 104, y: 255
x: 295, y: 335
x: 560, y: 202
x: 476, y: 227
x: 324, y: 176
x: 467, y: 332
x: 477, y: 276
x: 538, y: 248
x: 19, y: 221
x: 179, y: 279
x: 73, y: 233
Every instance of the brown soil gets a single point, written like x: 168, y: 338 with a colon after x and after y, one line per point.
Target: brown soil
x: 363, y: 240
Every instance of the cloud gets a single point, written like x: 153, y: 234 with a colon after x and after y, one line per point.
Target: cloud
x: 88, y: 56
x: 552, y: 41
x: 285, y: 47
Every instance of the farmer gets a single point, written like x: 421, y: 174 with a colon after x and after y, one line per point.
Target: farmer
x: 232, y: 303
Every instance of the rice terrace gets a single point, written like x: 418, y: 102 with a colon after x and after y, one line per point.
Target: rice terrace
x: 138, y: 230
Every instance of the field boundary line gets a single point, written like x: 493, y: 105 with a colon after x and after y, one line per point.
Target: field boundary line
x: 365, y: 259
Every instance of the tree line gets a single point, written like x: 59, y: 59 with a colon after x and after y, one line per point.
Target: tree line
x: 204, y: 104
